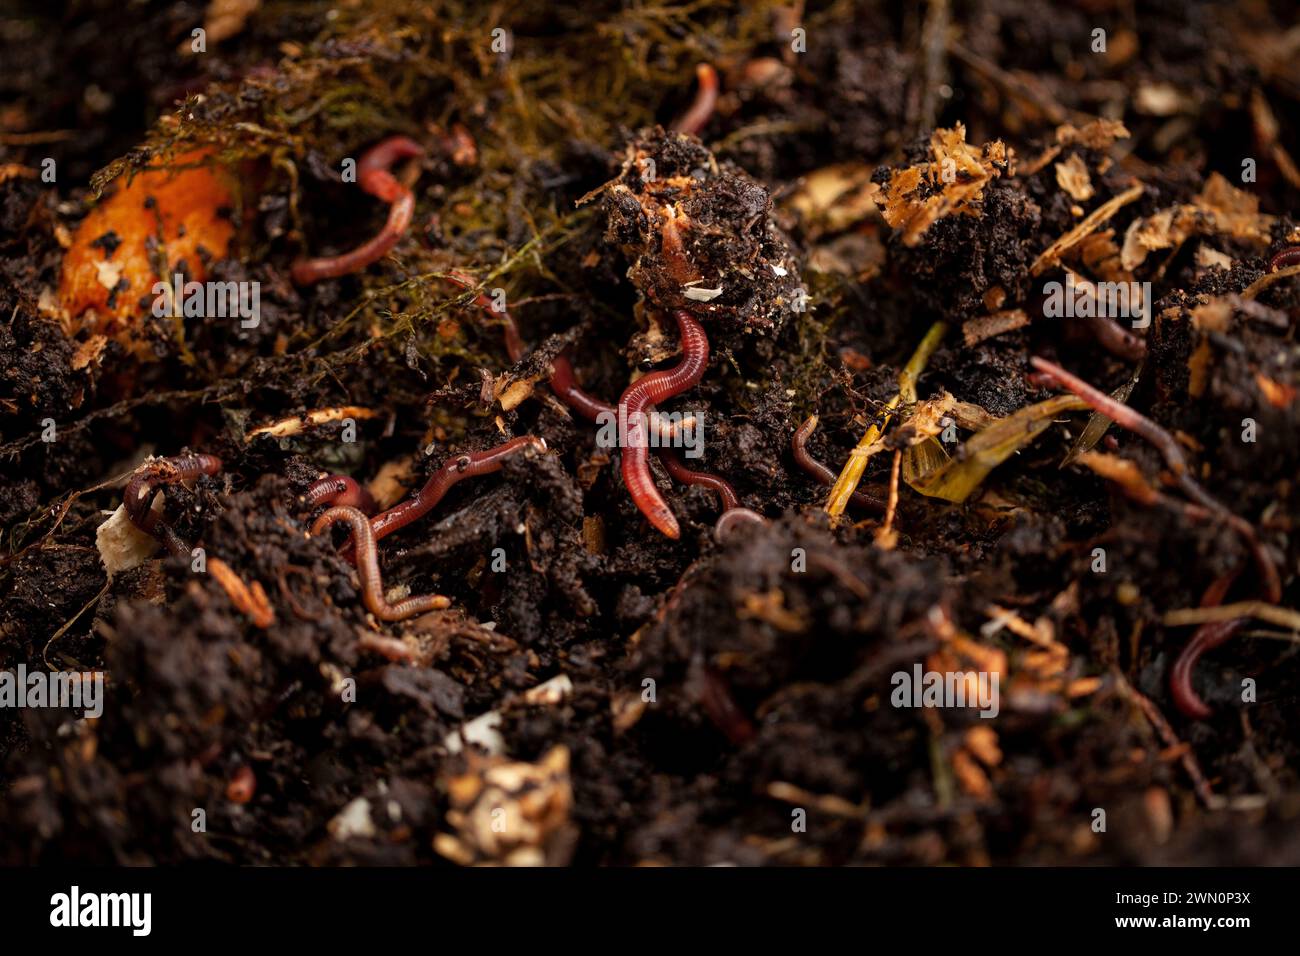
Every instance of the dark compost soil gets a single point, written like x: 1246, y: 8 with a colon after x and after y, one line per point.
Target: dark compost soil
x: 868, y: 170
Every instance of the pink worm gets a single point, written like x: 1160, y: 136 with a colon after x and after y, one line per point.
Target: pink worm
x: 563, y: 381
x: 138, y: 497
x: 339, y: 490
x: 706, y: 97
x: 452, y: 471
x: 650, y: 390
x: 374, y: 177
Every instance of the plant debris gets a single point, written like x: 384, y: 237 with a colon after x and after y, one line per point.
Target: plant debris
x: 973, y: 348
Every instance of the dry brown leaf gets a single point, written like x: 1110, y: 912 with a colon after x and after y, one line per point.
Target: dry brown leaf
x: 1220, y: 208
x: 1121, y: 471
x: 1072, y: 176
x: 834, y: 198
x: 951, y: 183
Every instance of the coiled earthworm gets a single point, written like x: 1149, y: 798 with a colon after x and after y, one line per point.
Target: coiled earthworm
x: 563, y: 381
x: 706, y: 97
x: 1287, y: 257
x: 823, y: 474
x: 650, y: 390
x: 1207, y: 637
x: 372, y: 584
x: 338, y: 490
x: 677, y: 468
x: 734, y: 518
x: 374, y: 177
x: 453, y: 470
x: 138, y: 497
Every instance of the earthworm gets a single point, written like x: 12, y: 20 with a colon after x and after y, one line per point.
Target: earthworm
x: 823, y: 474
x: 632, y: 406
x: 706, y: 97
x: 138, y: 497
x: 453, y: 470
x: 1211, y: 634
x: 338, y: 490
x: 720, y: 706
x: 677, y: 468
x: 1129, y: 418
x: 372, y: 585
x: 282, y: 579
x: 1116, y: 339
x: 734, y: 518
x: 374, y: 177
x: 563, y: 381
x: 1287, y: 257
x: 1206, y: 638
x: 566, y: 388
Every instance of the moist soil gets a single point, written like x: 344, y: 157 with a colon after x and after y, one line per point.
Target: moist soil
x: 710, y: 700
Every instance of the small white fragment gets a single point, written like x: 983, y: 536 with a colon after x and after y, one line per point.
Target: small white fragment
x: 702, y: 295
x: 550, y: 692
x: 779, y: 270
x: 485, y: 729
x: 353, y: 821
x: 122, y: 546
x: 482, y: 731
x: 108, y: 273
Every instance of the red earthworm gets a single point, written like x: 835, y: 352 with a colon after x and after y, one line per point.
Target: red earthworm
x: 563, y: 382
x: 374, y: 177
x: 1116, y: 339
x: 677, y: 468
x: 1129, y: 418
x: 732, y: 519
x: 1126, y: 417
x: 566, y: 388
x: 1206, y: 638
x: 282, y: 579
x: 453, y: 470
x: 1287, y: 257
x: 338, y: 490
x: 706, y: 97
x: 721, y: 707
x: 138, y: 497
x: 632, y: 408
x: 372, y: 585
x: 823, y: 474
x: 514, y: 344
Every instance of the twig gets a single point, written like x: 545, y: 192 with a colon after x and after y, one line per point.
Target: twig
x: 1127, y: 417
x: 1281, y: 616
